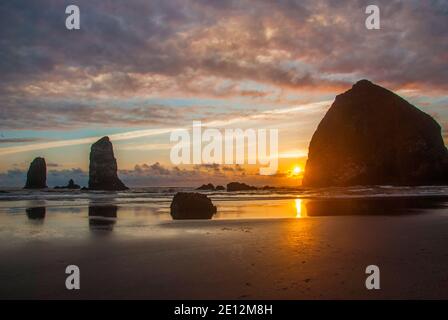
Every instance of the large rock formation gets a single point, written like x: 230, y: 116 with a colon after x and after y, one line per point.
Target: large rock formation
x: 103, y: 167
x: 36, y: 177
x: 192, y: 206
x: 371, y: 136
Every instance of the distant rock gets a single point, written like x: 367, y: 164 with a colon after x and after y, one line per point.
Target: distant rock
x: 237, y: 186
x: 220, y: 188
x: 371, y: 136
x: 71, y: 185
x: 191, y: 206
x: 37, y: 174
x: 268, y: 188
x: 103, y: 167
x: 208, y: 187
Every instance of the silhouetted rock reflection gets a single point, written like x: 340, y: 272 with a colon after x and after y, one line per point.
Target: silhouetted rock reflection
x: 102, y: 217
x: 373, y: 206
x: 36, y: 213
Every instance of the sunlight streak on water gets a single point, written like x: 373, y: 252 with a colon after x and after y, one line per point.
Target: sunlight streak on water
x: 298, y: 208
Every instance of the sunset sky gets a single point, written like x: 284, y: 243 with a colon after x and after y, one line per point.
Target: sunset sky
x: 138, y: 69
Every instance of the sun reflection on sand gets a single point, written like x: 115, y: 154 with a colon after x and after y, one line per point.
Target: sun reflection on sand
x: 300, y: 209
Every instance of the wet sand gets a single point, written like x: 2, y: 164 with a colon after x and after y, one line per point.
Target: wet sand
x: 306, y: 258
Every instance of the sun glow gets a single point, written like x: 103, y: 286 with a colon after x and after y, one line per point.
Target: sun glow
x: 295, y: 172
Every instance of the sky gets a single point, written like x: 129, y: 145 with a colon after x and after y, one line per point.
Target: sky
x: 136, y: 70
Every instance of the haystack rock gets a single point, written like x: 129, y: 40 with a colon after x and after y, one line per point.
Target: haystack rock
x: 36, y: 177
x: 371, y: 136
x: 103, y: 167
x: 192, y: 206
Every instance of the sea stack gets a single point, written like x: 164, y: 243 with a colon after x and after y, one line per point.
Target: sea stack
x: 371, y: 136
x: 36, y: 177
x: 103, y: 167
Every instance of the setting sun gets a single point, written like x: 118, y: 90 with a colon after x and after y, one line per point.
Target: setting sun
x: 297, y: 170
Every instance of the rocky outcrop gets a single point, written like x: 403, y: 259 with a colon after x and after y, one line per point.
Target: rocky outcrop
x: 371, y: 136
x: 237, y: 186
x: 71, y: 185
x: 103, y: 167
x: 36, y: 177
x: 191, y: 206
x: 220, y: 188
x: 206, y: 187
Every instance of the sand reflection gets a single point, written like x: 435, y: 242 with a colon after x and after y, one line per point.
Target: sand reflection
x: 102, y: 217
x: 300, y: 208
x: 36, y: 213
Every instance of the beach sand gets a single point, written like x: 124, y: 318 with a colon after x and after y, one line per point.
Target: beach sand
x: 288, y: 258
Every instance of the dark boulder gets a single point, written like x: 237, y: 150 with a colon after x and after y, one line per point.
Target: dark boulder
x: 36, y: 177
x: 220, y: 188
x: 191, y: 206
x: 371, y: 136
x: 237, y: 186
x: 103, y: 167
x: 208, y: 187
x: 71, y: 185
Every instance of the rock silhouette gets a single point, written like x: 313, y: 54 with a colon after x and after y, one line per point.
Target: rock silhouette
x: 103, y: 167
x: 71, y: 185
x: 191, y: 206
x: 220, y: 188
x: 207, y: 187
x: 237, y: 186
x: 36, y: 177
x: 371, y: 136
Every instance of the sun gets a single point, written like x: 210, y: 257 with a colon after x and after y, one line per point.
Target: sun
x: 296, y: 172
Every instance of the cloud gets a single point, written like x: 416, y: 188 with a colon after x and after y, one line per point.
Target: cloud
x: 268, y: 114
x: 186, y: 47
x: 19, y: 140
x: 160, y: 175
